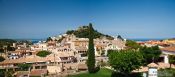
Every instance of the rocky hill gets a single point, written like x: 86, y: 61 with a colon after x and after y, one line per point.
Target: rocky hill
x: 83, y: 32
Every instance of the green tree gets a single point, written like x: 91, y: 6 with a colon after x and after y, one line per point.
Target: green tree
x: 6, y: 42
x: 166, y: 72
x: 120, y: 37
x: 9, y: 48
x: 2, y: 58
x: 171, y: 59
x: 70, y: 32
x: 2, y: 72
x: 151, y: 54
x: 24, y: 67
x: 83, y: 32
x: 91, y: 53
x: 43, y: 53
x: 132, y: 44
x: 59, y: 41
x: 125, y: 61
x: 1, y: 51
x: 110, y: 51
x: 49, y: 39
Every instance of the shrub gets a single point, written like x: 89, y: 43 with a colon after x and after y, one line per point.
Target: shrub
x: 2, y: 58
x: 24, y: 66
x: 125, y: 60
x: 43, y: 53
x: 168, y: 72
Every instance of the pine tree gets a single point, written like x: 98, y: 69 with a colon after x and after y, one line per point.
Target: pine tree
x: 91, y: 53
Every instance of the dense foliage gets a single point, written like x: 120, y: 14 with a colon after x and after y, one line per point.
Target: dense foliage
x: 43, y: 53
x: 150, y: 54
x: 49, y: 39
x: 171, y: 59
x: 110, y: 51
x: 83, y: 32
x: 2, y: 58
x: 1, y: 50
x: 167, y: 72
x: 91, y: 52
x: 120, y: 37
x: 4, y: 73
x: 9, y: 42
x: 70, y: 32
x: 124, y: 61
x: 132, y: 44
x: 24, y: 67
x: 9, y: 48
x: 6, y: 42
x: 59, y: 41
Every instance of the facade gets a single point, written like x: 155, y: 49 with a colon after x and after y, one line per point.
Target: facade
x: 168, y: 51
x: 70, y: 52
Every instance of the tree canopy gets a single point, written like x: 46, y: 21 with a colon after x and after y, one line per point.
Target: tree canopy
x: 120, y: 37
x: 171, y: 59
x: 132, y: 44
x: 24, y: 67
x: 49, y: 39
x: 124, y: 61
x: 1, y: 50
x: 83, y: 32
x: 70, y: 32
x: 2, y: 58
x: 9, y: 48
x: 43, y: 53
x: 151, y: 54
x: 6, y: 42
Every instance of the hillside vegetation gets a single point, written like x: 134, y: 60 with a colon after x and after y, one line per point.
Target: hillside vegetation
x: 82, y: 32
x: 6, y: 42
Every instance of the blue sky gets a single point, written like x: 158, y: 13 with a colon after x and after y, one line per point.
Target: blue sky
x: 129, y: 18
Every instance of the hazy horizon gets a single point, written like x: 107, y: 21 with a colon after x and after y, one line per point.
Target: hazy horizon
x: 38, y: 19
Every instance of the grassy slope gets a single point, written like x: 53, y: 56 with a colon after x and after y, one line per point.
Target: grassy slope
x: 102, y: 73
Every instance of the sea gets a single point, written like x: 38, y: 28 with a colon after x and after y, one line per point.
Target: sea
x: 135, y: 39
x: 32, y: 40
x: 146, y: 39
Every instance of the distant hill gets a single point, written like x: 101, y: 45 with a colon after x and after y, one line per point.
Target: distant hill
x: 171, y: 39
x: 83, y: 32
x: 9, y: 42
x: 6, y: 42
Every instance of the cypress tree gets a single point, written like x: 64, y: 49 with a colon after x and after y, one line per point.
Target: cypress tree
x: 91, y: 53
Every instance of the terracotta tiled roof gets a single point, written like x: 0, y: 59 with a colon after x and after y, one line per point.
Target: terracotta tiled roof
x: 32, y: 59
x: 171, y: 48
x: 160, y: 66
x: 152, y: 65
x: 142, y: 69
